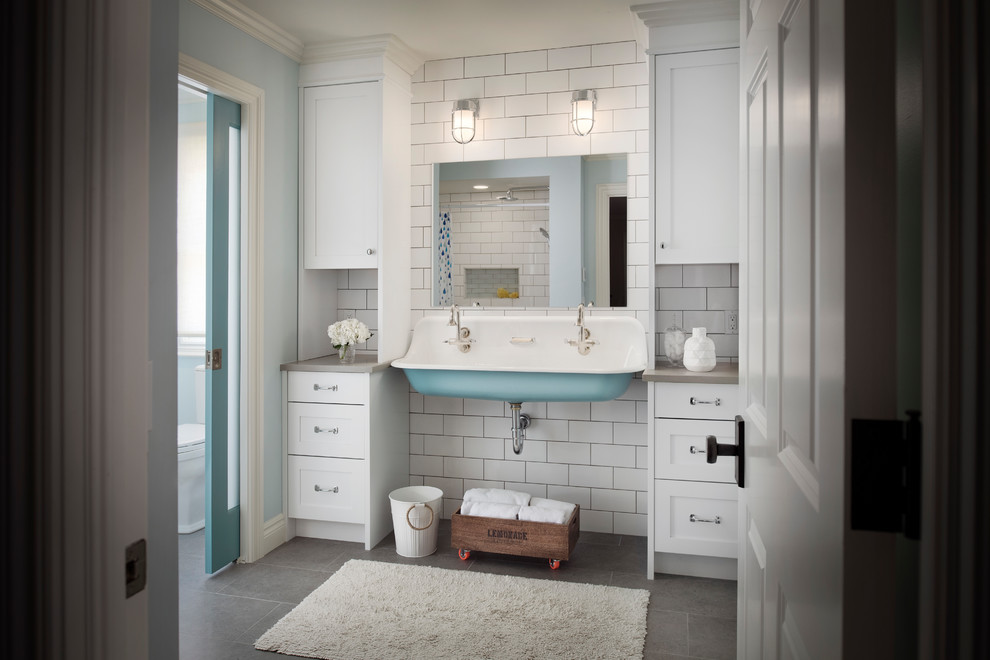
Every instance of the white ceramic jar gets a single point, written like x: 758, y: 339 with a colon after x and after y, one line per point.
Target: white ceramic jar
x: 699, y: 351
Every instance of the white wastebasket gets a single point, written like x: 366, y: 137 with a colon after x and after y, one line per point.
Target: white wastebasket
x: 416, y: 519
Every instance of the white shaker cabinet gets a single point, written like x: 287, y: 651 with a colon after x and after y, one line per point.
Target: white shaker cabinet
x: 346, y: 447
x: 695, y: 518
x: 342, y: 174
x: 696, y: 153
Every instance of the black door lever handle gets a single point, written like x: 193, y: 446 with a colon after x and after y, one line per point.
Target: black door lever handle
x: 716, y: 449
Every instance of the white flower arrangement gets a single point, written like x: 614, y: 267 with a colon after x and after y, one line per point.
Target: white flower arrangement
x: 347, y: 332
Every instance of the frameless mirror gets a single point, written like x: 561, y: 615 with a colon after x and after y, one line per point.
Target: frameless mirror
x: 530, y: 232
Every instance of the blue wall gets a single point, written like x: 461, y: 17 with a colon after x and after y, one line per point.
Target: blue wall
x: 212, y: 41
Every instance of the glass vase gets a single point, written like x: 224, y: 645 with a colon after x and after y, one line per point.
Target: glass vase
x: 673, y: 345
x: 346, y: 353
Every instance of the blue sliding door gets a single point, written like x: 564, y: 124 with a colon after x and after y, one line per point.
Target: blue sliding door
x: 222, y: 332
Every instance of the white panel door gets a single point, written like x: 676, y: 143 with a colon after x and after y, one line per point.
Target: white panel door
x: 792, y: 305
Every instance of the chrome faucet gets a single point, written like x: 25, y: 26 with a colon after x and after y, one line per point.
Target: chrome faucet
x: 583, y: 342
x: 462, y: 338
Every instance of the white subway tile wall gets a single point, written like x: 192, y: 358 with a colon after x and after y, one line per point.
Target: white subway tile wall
x: 591, y: 454
x: 525, y: 99
x: 357, y: 297
x: 699, y: 296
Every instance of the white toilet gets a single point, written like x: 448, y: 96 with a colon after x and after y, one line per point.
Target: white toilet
x: 192, y: 462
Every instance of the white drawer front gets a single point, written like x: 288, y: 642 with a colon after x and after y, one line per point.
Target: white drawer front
x: 331, y: 489
x: 696, y: 518
x: 691, y: 401
x: 328, y: 387
x: 320, y: 429
x: 681, y: 450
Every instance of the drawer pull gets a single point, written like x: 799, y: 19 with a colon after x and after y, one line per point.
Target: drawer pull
x: 716, y: 520
x: 522, y: 340
x: 335, y: 489
x: 335, y: 430
x: 317, y: 387
x: 698, y: 402
x: 699, y: 450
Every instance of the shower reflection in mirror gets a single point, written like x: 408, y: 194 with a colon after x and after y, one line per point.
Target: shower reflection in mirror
x: 493, y: 226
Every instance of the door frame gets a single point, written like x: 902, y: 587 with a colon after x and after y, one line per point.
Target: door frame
x: 257, y: 537
x: 954, y: 582
x: 603, y: 193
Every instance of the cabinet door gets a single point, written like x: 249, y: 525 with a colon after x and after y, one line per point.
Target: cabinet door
x: 697, y: 157
x: 341, y: 145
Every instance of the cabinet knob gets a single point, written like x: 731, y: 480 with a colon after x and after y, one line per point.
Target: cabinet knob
x: 371, y: 251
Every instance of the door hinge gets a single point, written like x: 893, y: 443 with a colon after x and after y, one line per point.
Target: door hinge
x: 886, y: 475
x: 214, y: 359
x: 135, y: 567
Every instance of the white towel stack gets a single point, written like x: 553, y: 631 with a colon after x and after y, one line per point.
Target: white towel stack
x: 491, y: 510
x: 499, y: 495
x: 543, y: 510
x: 511, y: 504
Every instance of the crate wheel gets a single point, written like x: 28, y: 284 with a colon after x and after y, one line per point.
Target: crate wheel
x: 464, y: 554
x: 554, y: 564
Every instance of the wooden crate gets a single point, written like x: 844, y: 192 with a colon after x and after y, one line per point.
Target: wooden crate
x: 515, y: 537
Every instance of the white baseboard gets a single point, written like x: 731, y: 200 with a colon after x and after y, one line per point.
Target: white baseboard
x: 274, y: 534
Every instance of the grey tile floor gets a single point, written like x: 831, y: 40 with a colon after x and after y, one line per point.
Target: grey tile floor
x: 221, y: 615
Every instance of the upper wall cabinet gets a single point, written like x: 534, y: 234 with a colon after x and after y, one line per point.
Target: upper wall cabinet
x: 342, y: 160
x: 697, y: 157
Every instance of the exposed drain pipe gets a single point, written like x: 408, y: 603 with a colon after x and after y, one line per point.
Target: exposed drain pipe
x: 520, y: 422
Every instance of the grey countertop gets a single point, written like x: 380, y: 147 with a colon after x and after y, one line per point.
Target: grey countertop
x: 363, y: 364
x: 726, y: 373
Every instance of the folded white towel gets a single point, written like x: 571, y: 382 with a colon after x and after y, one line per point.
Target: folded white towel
x: 499, y: 495
x: 552, y: 504
x: 541, y: 514
x: 490, y: 510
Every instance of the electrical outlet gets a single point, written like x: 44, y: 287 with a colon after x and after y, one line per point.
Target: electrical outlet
x: 732, y: 322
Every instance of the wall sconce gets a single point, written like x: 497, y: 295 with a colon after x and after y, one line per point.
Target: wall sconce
x: 462, y: 119
x: 583, y: 110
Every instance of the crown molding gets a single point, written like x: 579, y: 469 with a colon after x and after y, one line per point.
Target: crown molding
x: 683, y: 12
x: 376, y: 45
x: 255, y: 25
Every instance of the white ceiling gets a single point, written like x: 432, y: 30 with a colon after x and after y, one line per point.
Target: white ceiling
x: 440, y: 29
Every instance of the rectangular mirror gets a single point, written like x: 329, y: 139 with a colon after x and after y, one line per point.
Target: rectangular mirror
x: 544, y: 232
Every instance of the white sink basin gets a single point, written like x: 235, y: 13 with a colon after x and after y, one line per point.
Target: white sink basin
x: 525, y: 358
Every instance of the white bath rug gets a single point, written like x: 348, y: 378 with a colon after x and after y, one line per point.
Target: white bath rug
x: 379, y: 610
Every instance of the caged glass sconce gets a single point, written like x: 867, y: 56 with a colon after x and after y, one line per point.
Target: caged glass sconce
x: 462, y: 120
x: 583, y: 111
